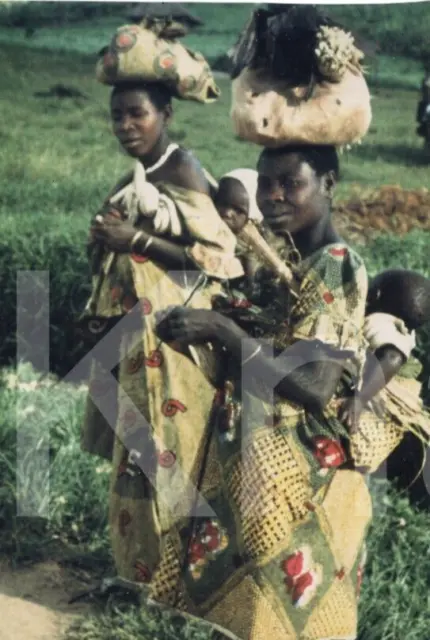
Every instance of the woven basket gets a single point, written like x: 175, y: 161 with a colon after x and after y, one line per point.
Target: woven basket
x: 374, y: 441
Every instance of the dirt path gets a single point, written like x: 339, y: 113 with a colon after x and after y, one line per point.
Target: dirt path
x: 34, y: 601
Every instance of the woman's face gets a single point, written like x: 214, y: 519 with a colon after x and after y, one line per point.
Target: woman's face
x: 137, y: 123
x: 290, y: 195
x: 232, y: 203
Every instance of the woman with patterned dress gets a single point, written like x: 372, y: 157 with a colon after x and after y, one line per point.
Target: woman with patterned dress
x: 282, y: 555
x: 158, y: 242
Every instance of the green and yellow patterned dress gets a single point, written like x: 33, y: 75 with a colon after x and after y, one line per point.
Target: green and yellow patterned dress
x: 277, y: 547
x: 283, y: 558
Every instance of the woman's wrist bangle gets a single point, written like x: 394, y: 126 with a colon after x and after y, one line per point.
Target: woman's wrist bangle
x: 138, y: 236
x: 253, y: 354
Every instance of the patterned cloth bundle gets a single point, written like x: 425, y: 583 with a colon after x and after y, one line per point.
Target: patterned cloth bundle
x: 152, y: 53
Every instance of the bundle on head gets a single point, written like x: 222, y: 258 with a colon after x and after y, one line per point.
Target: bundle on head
x: 297, y: 78
x: 292, y: 43
x: 402, y: 293
x: 151, y: 52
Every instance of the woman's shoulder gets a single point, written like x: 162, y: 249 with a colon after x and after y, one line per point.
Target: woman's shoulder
x: 339, y: 253
x: 341, y: 250
x: 184, y: 170
x: 337, y: 266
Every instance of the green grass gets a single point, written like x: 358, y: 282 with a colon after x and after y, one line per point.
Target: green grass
x: 394, y: 603
x: 58, y: 156
x: 43, y: 472
x: 399, y: 29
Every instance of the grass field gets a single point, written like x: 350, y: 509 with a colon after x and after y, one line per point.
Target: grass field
x: 57, y: 160
x: 60, y: 157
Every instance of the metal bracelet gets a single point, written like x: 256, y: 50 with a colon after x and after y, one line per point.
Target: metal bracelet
x: 256, y: 352
x: 137, y: 236
x: 135, y: 239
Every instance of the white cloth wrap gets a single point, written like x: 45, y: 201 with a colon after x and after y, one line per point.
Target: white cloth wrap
x: 140, y: 197
x: 382, y: 329
x: 249, y: 179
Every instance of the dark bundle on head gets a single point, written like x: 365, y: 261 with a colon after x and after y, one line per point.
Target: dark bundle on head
x: 282, y: 39
x: 403, y: 294
x: 159, y: 94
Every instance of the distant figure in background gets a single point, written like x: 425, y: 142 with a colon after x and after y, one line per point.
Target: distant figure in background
x: 423, y: 112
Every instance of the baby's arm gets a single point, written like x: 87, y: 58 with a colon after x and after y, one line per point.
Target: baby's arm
x: 379, y: 369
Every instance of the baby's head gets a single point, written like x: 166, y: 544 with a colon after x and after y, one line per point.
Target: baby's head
x: 401, y: 293
x: 235, y: 199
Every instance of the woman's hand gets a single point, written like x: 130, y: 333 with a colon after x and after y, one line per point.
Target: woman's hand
x: 108, y: 211
x: 114, y: 233
x: 179, y: 324
x: 350, y: 412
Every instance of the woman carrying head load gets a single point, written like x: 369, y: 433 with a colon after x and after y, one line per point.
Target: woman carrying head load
x: 282, y: 555
x: 159, y: 241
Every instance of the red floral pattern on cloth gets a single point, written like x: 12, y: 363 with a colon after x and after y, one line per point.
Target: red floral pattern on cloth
x: 143, y: 574
x: 338, y: 252
x: 328, y: 452
x: 340, y: 574
x: 115, y: 294
x: 146, y: 306
x: 328, y: 297
x: 241, y: 304
x: 124, y: 519
x: 125, y: 40
x: 171, y: 407
x: 302, y: 576
x: 206, y: 544
x: 166, y: 459
x: 99, y: 387
x: 135, y: 363
x: 293, y: 565
x: 155, y: 359
x: 167, y: 60
x: 138, y: 258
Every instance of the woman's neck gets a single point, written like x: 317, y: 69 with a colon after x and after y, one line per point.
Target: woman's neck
x: 156, y: 152
x: 312, y: 239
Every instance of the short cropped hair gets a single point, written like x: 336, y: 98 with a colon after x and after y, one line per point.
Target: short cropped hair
x: 401, y: 293
x: 158, y: 93
x: 322, y: 158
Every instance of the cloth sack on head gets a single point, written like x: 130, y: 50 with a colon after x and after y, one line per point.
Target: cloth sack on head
x: 270, y: 113
x: 139, y: 54
x: 248, y: 178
